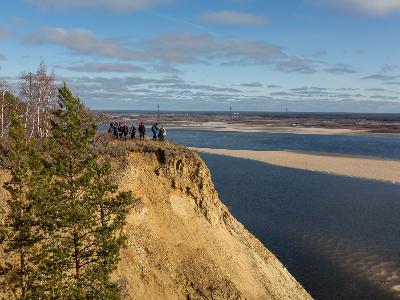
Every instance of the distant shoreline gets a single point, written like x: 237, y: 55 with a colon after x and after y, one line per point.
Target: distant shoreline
x: 326, y: 124
x: 386, y: 170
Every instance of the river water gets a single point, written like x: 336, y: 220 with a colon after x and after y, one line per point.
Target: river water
x: 368, y: 145
x: 338, y: 236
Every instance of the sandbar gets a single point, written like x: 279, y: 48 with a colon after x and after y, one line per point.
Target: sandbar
x: 354, y: 166
x: 268, y: 128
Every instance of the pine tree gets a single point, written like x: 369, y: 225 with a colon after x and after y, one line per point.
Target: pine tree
x: 19, y: 231
x: 81, y: 212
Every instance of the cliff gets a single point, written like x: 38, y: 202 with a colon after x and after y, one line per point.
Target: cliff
x: 182, y: 241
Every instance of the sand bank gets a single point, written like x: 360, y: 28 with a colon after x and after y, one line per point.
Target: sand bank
x: 368, y: 168
x: 223, y: 126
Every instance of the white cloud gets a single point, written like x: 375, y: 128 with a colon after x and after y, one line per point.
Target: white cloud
x: 381, y: 77
x: 233, y: 18
x: 190, y: 48
x: 115, y: 5
x: 252, y: 84
x: 173, y: 49
x: 19, y: 21
x: 340, y: 69
x: 5, y: 33
x: 82, y: 41
x: 166, y: 69
x: 297, y: 65
x: 375, y: 7
x: 105, y: 67
x: 167, y: 48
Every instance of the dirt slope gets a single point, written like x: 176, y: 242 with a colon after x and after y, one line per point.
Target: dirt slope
x: 183, y: 242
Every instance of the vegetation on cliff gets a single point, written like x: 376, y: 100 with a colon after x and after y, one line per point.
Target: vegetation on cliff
x: 63, y: 218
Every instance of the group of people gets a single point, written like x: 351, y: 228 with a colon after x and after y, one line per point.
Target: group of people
x: 120, y: 130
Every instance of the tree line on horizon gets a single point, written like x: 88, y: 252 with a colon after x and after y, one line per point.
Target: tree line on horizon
x: 62, y: 226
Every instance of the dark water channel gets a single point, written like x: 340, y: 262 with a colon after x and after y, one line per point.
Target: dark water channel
x: 338, y: 236
x: 368, y: 145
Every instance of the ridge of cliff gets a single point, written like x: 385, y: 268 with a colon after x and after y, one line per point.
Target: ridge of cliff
x: 183, y: 242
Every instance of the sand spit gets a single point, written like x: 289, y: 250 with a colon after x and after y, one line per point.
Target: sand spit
x: 368, y: 168
x: 238, y: 127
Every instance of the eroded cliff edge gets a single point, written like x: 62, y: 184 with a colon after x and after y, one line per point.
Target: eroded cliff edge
x: 182, y: 241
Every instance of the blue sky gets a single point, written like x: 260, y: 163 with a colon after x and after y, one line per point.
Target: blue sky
x: 259, y: 55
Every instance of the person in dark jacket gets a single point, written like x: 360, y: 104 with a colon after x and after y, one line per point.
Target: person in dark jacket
x: 111, y: 128
x: 120, y: 130
x: 115, y: 130
x: 125, y: 130
x: 132, y: 130
x: 142, y: 131
x: 154, y: 129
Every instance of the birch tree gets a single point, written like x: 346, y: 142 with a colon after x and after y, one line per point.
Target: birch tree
x: 38, y: 92
x: 4, y: 103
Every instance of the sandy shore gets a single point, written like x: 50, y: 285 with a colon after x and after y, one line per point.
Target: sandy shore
x: 368, y: 168
x: 223, y: 126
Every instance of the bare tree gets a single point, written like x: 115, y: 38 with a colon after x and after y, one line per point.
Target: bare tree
x: 4, y: 90
x: 26, y: 94
x: 38, y: 91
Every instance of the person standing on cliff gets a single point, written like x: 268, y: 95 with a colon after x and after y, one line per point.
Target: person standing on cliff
x: 142, y: 131
x: 132, y: 130
x: 125, y: 131
x: 111, y: 128
x: 154, y: 129
x: 162, y: 133
x: 115, y: 129
x: 120, y: 130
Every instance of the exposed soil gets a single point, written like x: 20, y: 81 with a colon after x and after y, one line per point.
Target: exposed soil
x: 182, y: 241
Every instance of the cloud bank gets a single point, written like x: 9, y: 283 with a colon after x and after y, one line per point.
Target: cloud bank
x: 233, y: 18
x: 373, y: 7
x: 96, y: 67
x: 114, y: 5
x: 167, y: 48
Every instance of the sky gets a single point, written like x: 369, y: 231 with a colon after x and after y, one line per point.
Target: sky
x: 251, y: 55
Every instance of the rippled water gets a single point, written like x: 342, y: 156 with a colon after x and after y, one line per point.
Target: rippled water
x: 369, y: 145
x: 339, y: 236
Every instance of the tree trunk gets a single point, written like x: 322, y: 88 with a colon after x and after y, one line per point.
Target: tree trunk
x: 2, y: 115
x: 22, y: 275
x: 76, y: 257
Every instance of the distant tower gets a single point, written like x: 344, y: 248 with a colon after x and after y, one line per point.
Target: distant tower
x: 230, y: 110
x: 158, y: 113
x: 287, y: 110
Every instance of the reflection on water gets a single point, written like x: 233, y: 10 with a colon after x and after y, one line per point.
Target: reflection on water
x: 368, y: 145
x: 339, y: 236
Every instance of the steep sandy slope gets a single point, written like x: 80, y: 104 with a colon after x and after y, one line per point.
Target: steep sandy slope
x: 182, y: 241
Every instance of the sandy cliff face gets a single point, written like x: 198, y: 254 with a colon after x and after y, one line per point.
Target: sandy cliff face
x: 182, y: 241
